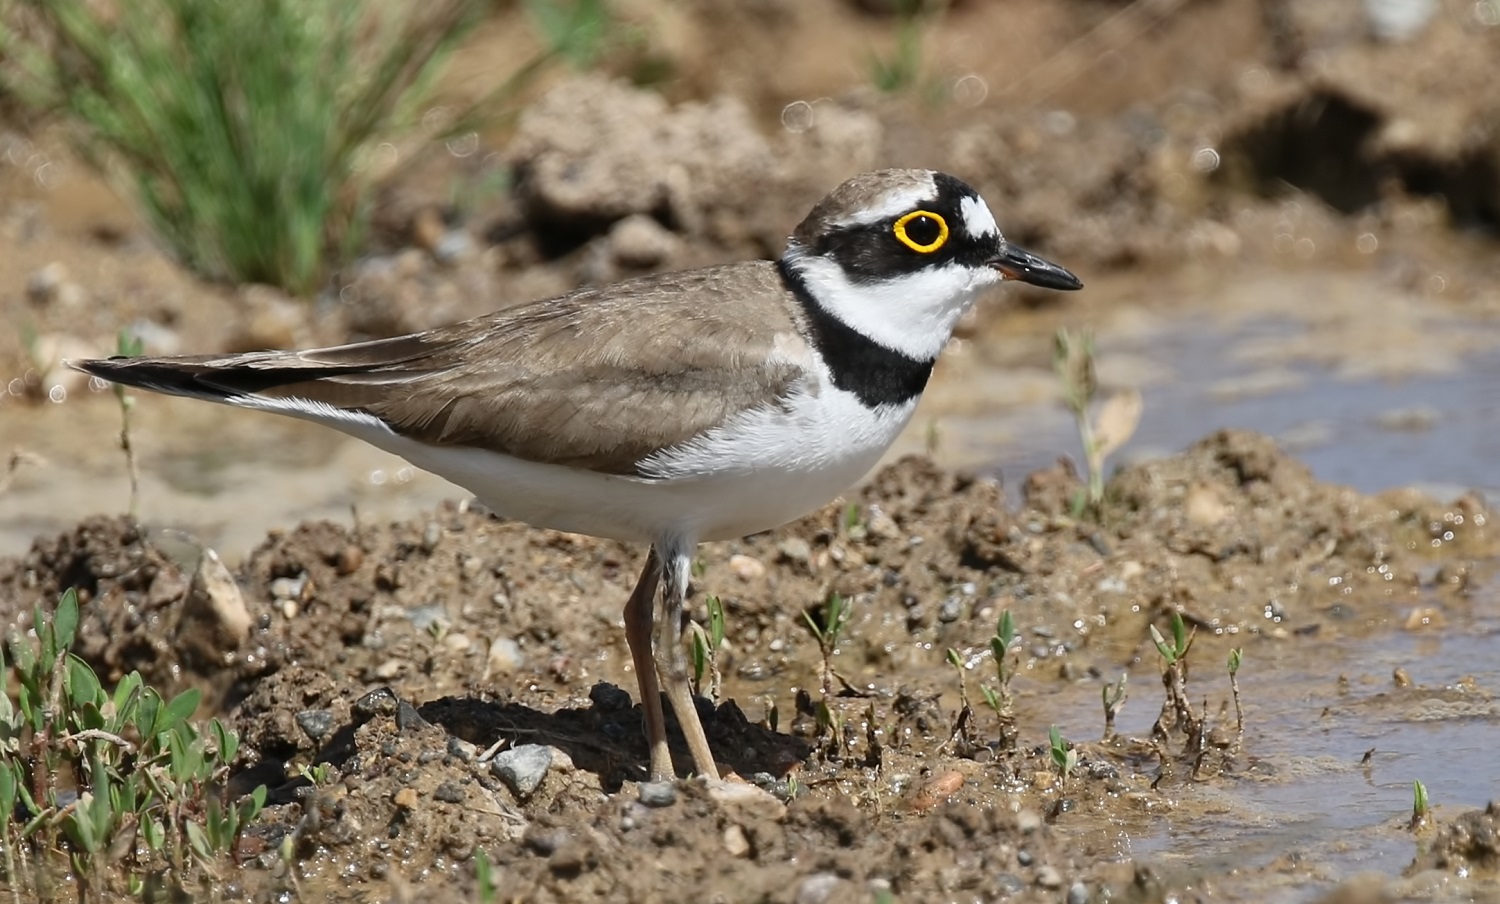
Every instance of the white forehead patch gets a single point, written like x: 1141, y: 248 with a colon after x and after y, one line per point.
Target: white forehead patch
x: 889, y: 206
x: 977, y: 217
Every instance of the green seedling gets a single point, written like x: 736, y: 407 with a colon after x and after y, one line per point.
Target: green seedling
x: 1073, y: 361
x: 705, y: 649
x: 852, y: 523
x: 1175, y: 652
x: 1064, y: 755
x: 827, y: 628
x: 1421, y: 809
x: 484, y: 877
x: 316, y: 774
x: 1236, y: 659
x: 1113, y: 697
x: 1001, y: 650
x: 128, y: 346
x: 957, y: 661
x: 118, y: 783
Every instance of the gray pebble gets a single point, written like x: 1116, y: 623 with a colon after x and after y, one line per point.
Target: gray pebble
x: 817, y: 888
x: 461, y: 750
x: 1078, y: 893
x: 950, y: 611
x: 1048, y: 877
x: 608, y: 698
x: 658, y: 794
x: 315, y: 723
x: 431, y: 534
x: 449, y: 793
x: 795, y: 549
x: 523, y: 767
x: 407, y: 717
x: 382, y: 701
x: 1009, y: 884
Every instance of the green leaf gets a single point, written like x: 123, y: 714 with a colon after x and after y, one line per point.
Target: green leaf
x: 7, y: 792
x: 81, y: 684
x: 155, y: 834
x: 179, y: 710
x: 716, y: 622
x: 199, y: 840
x: 79, y: 824
x: 65, y: 620
x: 126, y: 700
x: 1179, y: 634
x: 227, y: 742
x: 1005, y: 632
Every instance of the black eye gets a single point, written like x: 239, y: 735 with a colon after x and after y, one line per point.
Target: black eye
x: 922, y: 231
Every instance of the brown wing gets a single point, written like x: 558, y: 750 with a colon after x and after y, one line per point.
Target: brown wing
x: 598, y: 378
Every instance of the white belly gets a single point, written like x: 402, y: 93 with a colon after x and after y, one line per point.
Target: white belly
x: 760, y: 470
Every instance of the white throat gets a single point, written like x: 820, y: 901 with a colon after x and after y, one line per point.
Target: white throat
x: 914, y: 314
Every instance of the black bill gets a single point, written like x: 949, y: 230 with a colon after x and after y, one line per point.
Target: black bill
x: 1020, y: 264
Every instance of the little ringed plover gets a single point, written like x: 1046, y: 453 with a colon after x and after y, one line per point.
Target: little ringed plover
x: 669, y: 409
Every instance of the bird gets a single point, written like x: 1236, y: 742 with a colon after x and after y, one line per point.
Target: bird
x: 668, y: 409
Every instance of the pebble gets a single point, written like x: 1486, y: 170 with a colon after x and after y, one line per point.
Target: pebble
x: 289, y: 588
x: 640, y: 241
x: 1078, y: 893
x: 505, y: 657
x: 658, y: 794
x: 382, y: 701
x: 1009, y: 884
x: 455, y: 246
x: 449, y: 793
x: 747, y: 568
x: 608, y: 698
x: 950, y: 611
x: 349, y: 560
x: 43, y: 285
x: 315, y: 723
x: 388, y: 669
x: 818, y: 888
x: 735, y: 842
x: 461, y: 750
x: 407, y: 798
x: 795, y: 549
x: 1048, y: 877
x: 407, y: 717
x: 214, y: 617
x: 457, y: 642
x: 522, y: 767
x: 431, y: 534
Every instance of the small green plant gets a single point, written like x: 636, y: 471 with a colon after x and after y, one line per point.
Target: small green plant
x: 902, y: 69
x: 706, y: 645
x: 852, y: 522
x: 1236, y: 659
x: 1113, y: 697
x: 315, y: 774
x: 1073, y: 360
x: 826, y: 628
x: 128, y: 346
x: 1064, y: 755
x: 1421, y: 809
x: 999, y: 698
x: 1175, y: 652
x: 957, y: 661
x: 119, y: 784
x: 248, y: 131
x: 484, y: 877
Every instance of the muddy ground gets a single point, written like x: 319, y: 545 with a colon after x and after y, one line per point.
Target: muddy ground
x: 466, y: 680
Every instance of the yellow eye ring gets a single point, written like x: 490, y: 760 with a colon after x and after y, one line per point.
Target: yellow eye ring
x: 923, y: 220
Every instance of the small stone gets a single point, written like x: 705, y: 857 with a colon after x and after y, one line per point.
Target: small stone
x: 640, y: 241
x: 735, y: 842
x: 795, y: 549
x: 522, y: 767
x: 1078, y: 893
x: 449, y: 793
x: 461, y: 750
x: 407, y: 717
x: 818, y: 888
x: 657, y: 794
x: 1009, y: 884
x: 289, y: 588
x: 455, y: 246
x: 315, y: 723
x: 883, y: 526
x: 214, y: 619
x: 290, y: 609
x: 505, y: 657
x: 950, y: 611
x: 431, y: 534
x: 1048, y: 877
x: 608, y: 698
x: 382, y: 701
x: 388, y: 669
x: 43, y: 285
x: 1023, y: 857
x: 1028, y: 821
x: 747, y: 568
x: 349, y: 560
x: 457, y: 642
x: 407, y: 798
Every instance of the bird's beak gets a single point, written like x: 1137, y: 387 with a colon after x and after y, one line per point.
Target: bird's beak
x: 1018, y: 263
